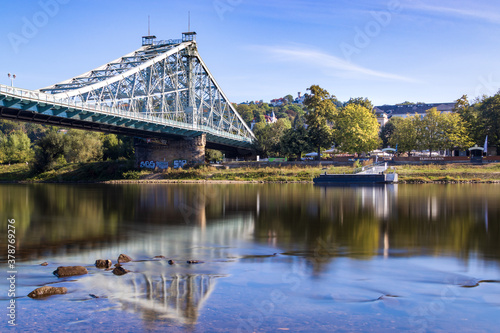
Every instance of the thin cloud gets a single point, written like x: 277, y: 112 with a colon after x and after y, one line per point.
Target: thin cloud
x: 482, y: 14
x: 323, y: 60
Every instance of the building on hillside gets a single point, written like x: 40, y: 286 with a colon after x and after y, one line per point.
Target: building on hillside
x: 269, y: 120
x: 300, y: 98
x: 404, y: 110
x: 277, y: 102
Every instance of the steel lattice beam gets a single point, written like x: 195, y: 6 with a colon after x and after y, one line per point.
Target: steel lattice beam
x: 165, y: 80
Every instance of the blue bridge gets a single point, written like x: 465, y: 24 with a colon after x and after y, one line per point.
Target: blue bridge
x: 162, y: 92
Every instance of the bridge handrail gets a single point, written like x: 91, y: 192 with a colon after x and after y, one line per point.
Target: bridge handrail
x: 99, y: 108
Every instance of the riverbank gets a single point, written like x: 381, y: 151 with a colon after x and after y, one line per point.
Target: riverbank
x: 124, y: 172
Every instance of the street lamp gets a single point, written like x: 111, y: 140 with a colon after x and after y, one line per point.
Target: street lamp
x: 12, y: 78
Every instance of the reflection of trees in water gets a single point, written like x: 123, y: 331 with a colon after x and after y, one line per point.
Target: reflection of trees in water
x: 356, y: 221
x: 365, y: 221
x: 59, y: 215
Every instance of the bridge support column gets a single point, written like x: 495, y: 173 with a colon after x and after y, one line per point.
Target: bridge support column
x: 172, y: 153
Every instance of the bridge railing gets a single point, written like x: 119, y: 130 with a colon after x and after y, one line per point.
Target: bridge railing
x: 107, y: 110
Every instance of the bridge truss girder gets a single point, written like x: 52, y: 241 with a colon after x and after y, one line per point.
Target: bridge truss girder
x: 165, y: 80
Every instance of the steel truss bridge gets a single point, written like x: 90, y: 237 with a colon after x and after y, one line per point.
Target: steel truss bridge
x: 162, y: 90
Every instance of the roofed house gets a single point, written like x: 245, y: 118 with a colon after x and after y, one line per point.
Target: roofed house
x: 410, y: 109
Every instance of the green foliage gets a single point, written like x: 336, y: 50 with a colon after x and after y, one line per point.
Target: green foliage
x: 132, y: 174
x: 321, y: 111
x: 365, y: 102
x: 295, y: 140
x: 456, y: 132
x: 82, y: 146
x: 388, y: 130
x: 15, y: 147
x: 473, y: 121
x: 405, y: 134
x: 268, y: 137
x: 289, y: 99
x: 212, y: 155
x: 431, y: 131
x: 490, y: 112
x: 245, y: 112
x: 48, y: 151
x: 116, y: 147
x: 356, y: 129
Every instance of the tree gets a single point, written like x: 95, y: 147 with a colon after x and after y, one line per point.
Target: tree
x: 295, y: 140
x: 431, y: 131
x: 360, y: 101
x: 356, y: 129
x: 288, y: 99
x: 245, y: 112
x: 117, y: 146
x: 456, y: 132
x: 388, y: 129
x: 490, y: 112
x: 320, y: 111
x: 3, y: 137
x: 268, y: 136
x: 16, y: 147
x: 473, y: 120
x: 49, y: 151
x: 212, y: 155
x: 82, y: 146
x: 405, y: 134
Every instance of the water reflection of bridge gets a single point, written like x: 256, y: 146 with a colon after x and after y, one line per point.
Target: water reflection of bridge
x: 177, y: 296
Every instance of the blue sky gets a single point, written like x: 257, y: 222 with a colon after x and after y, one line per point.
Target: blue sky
x: 387, y: 50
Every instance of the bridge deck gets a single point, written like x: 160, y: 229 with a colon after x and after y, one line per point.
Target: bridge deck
x: 33, y: 106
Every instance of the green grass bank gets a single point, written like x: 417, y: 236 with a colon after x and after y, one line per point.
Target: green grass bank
x: 124, y: 171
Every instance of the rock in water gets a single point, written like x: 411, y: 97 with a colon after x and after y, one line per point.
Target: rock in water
x: 194, y: 262
x: 63, y: 271
x: 124, y: 258
x: 119, y: 270
x: 101, y: 263
x: 47, y: 291
x: 44, y: 263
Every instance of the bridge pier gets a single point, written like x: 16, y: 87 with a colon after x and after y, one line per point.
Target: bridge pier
x: 170, y: 153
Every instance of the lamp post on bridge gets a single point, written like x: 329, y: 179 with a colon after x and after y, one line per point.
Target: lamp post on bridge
x: 12, y: 78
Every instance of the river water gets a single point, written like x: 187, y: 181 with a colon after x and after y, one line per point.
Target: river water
x: 272, y: 257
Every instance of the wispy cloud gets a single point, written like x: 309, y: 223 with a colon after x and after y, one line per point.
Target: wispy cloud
x: 476, y: 10
x: 333, y: 65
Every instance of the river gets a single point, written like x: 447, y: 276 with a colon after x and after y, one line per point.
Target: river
x: 271, y: 257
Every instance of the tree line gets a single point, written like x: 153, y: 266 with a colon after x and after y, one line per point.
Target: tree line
x: 352, y: 127
x: 46, y: 147
x: 321, y: 123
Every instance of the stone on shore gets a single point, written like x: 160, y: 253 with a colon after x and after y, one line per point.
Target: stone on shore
x: 123, y: 258
x: 63, y: 271
x: 102, y: 263
x: 119, y: 270
x: 47, y: 291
